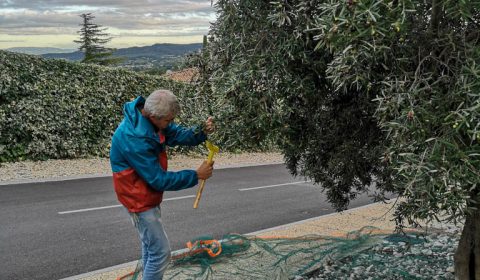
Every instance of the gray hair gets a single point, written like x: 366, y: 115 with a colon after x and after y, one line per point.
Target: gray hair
x: 160, y: 103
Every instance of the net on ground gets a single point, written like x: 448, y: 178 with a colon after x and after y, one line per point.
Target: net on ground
x: 247, y: 257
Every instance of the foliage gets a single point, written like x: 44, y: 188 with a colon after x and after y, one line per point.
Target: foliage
x: 264, y: 66
x: 92, y: 41
x: 356, y: 92
x: 153, y: 71
x: 57, y: 109
x: 430, y: 107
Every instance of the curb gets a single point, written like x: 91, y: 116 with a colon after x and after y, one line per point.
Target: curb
x: 100, y: 271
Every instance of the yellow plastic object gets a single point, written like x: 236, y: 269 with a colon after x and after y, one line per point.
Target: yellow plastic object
x: 212, y: 150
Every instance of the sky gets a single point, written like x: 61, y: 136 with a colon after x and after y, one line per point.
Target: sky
x: 54, y: 23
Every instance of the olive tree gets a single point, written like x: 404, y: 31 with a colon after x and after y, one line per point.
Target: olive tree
x: 359, y: 93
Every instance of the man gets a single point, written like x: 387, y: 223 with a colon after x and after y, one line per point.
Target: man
x: 139, y: 164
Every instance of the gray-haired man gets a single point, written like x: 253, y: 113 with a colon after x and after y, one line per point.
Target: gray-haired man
x: 139, y: 164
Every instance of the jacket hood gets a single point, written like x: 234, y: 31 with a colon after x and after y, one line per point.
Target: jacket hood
x: 136, y: 124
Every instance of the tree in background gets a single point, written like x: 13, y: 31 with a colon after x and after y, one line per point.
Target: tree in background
x: 360, y: 92
x: 92, y: 42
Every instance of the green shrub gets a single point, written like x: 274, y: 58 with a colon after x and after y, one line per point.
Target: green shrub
x: 51, y: 109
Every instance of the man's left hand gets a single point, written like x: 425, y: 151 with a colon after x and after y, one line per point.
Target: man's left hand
x: 209, y: 126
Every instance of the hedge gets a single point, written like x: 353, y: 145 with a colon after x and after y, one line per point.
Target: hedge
x: 52, y: 109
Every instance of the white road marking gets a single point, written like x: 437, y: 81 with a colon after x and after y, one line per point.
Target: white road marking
x: 89, y: 209
x: 273, y: 186
x: 180, y: 197
x: 117, y: 205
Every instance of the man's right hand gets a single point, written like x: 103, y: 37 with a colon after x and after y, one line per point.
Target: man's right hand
x: 204, y: 171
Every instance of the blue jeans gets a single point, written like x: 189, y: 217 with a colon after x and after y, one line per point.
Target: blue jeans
x: 155, y: 246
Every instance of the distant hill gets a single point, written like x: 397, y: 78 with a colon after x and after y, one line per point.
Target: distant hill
x: 72, y: 56
x: 157, y: 51
x: 158, y: 56
x: 38, y: 51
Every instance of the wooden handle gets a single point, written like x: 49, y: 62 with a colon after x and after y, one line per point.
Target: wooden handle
x: 199, y: 194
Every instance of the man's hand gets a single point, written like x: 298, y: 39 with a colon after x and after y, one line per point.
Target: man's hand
x: 205, y: 171
x: 209, y: 126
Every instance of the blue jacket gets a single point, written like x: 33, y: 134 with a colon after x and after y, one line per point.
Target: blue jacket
x: 139, y: 163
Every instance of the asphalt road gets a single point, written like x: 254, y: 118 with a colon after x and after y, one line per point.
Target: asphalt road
x: 58, y: 229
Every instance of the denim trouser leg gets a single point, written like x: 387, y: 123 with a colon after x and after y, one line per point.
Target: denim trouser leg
x: 155, y: 245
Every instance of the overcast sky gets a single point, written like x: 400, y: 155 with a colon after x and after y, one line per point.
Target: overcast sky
x: 54, y: 23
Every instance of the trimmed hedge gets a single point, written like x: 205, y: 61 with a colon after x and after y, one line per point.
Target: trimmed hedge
x: 52, y: 109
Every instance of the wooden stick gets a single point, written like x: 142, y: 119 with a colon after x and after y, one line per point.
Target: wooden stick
x: 199, y: 194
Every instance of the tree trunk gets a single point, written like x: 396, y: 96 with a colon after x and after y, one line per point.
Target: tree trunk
x: 467, y: 256
x: 435, y: 16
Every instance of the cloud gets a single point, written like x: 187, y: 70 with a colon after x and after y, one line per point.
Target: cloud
x: 122, y: 6
x: 121, y: 17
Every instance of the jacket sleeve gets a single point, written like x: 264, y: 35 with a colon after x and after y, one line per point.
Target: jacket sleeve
x: 178, y: 135
x: 142, y: 158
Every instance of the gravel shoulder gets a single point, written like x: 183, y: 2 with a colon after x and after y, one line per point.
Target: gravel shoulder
x: 64, y: 169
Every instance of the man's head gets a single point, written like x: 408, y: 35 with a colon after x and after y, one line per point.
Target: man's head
x: 161, y: 107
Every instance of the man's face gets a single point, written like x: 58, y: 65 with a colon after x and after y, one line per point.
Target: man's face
x: 162, y: 123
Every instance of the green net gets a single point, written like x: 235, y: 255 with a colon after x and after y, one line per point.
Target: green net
x: 249, y: 257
